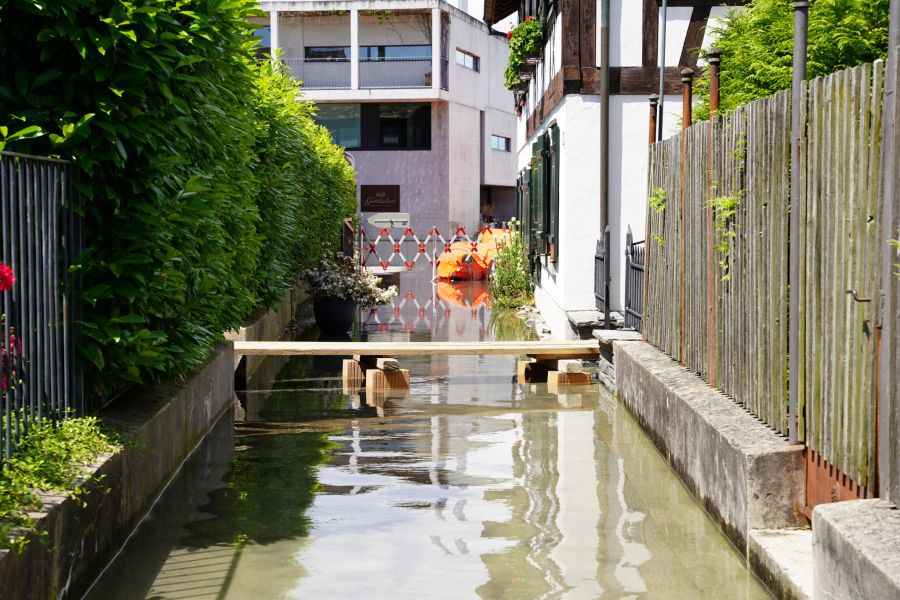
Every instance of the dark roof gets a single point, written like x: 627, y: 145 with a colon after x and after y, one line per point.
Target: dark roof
x: 497, y: 10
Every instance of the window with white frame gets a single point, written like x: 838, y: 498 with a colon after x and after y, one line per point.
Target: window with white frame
x: 467, y: 60
x: 498, y: 142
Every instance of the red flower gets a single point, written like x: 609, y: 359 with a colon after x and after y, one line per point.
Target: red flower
x: 528, y: 18
x: 509, y: 34
x: 7, y: 277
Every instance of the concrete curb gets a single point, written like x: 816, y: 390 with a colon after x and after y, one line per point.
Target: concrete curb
x: 745, y: 475
x: 165, y: 425
x: 856, y: 550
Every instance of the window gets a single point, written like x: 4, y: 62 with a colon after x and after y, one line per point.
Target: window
x: 378, y: 126
x: 498, y: 142
x: 404, y: 125
x: 343, y: 121
x: 264, y: 36
x: 469, y: 61
x: 340, y: 53
x: 374, y: 53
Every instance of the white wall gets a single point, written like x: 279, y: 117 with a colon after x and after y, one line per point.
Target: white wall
x: 465, y: 166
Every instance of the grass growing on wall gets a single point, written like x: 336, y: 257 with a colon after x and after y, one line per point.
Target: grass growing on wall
x: 203, y: 181
x: 49, y: 459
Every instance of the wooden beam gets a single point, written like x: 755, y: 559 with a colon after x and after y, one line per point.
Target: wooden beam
x: 650, y: 34
x: 694, y: 38
x: 643, y: 81
x: 571, y: 349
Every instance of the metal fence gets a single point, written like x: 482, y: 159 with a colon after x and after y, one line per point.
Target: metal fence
x: 395, y: 73
x: 717, y: 260
x: 634, y: 282
x: 321, y: 74
x: 39, y: 237
x: 602, y: 276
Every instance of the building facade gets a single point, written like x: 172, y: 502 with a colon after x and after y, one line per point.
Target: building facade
x: 583, y: 133
x: 413, y: 90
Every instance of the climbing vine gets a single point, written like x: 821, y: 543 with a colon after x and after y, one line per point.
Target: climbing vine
x: 724, y: 209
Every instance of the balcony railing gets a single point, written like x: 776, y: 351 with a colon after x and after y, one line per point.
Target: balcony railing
x: 395, y: 73
x: 321, y: 74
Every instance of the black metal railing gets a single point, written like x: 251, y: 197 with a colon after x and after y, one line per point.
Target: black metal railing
x: 39, y: 238
x: 602, y: 276
x: 634, y: 282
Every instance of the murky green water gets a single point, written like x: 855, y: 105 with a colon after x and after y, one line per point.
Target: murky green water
x: 470, y: 486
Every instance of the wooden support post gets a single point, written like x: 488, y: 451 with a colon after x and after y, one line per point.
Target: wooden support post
x: 353, y: 377
x: 557, y: 380
x: 532, y: 371
x: 654, y: 105
x: 382, y: 381
x: 715, y: 59
x: 687, y: 85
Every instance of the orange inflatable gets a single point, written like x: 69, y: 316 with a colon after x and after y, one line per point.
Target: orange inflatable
x: 468, y: 261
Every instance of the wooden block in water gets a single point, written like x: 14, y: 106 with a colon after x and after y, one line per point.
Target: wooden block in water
x: 378, y: 380
x: 557, y: 380
x: 569, y: 366
x: 530, y: 371
x: 387, y: 364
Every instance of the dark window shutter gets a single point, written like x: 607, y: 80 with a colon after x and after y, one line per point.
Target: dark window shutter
x: 554, y: 193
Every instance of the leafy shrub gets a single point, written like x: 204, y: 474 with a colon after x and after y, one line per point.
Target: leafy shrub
x: 510, y: 282
x: 525, y: 39
x: 338, y: 276
x: 757, y: 46
x: 193, y: 160
x: 48, y: 459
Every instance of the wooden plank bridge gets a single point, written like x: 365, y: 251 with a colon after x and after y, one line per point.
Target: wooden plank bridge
x: 374, y: 367
x: 544, y: 349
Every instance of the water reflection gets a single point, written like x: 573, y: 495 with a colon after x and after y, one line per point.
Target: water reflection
x: 470, y: 485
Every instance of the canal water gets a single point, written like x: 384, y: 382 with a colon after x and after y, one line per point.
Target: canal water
x: 469, y: 486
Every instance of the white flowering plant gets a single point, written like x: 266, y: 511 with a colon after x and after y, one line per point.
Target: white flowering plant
x: 339, y: 276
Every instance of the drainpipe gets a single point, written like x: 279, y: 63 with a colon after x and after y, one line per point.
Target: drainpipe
x: 662, y: 70
x: 604, y: 114
x: 801, y: 21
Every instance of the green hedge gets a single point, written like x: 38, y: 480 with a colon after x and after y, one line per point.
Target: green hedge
x: 204, y: 182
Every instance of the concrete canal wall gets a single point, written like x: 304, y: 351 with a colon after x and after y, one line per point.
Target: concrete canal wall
x: 164, y: 424
x: 751, y: 482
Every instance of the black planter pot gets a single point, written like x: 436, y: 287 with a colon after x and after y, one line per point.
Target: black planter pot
x: 334, y: 315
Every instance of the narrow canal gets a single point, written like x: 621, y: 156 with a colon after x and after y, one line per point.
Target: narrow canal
x: 469, y: 486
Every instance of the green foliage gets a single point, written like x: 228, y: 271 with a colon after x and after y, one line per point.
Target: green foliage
x: 49, y: 459
x: 757, y: 46
x: 510, y: 282
x: 724, y: 209
x: 658, y: 200
x: 525, y: 39
x: 660, y: 240
x: 896, y: 245
x: 192, y: 161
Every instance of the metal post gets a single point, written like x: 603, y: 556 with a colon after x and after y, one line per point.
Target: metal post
x: 687, y: 96
x: 604, y: 113
x: 273, y: 34
x: 662, y: 69
x: 654, y: 107
x: 714, y: 62
x: 801, y: 20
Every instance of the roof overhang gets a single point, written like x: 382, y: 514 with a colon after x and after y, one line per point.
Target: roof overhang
x: 497, y: 10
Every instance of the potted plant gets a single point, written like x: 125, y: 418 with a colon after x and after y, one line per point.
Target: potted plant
x: 525, y: 44
x: 338, y: 287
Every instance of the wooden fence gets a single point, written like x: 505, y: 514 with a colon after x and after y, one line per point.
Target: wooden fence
x: 718, y: 244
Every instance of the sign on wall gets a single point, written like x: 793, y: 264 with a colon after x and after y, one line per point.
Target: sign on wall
x: 380, y: 198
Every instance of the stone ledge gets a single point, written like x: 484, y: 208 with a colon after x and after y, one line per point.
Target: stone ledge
x: 745, y: 475
x: 164, y: 424
x: 856, y: 549
x: 782, y: 559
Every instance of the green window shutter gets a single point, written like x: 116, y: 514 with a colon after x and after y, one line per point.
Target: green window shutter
x: 525, y: 225
x: 554, y: 193
x: 537, y: 196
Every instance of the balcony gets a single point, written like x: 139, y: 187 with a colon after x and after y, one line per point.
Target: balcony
x: 386, y: 73
x: 395, y: 73
x: 321, y: 74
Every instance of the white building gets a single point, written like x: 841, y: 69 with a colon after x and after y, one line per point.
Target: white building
x: 560, y: 158
x: 413, y: 90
